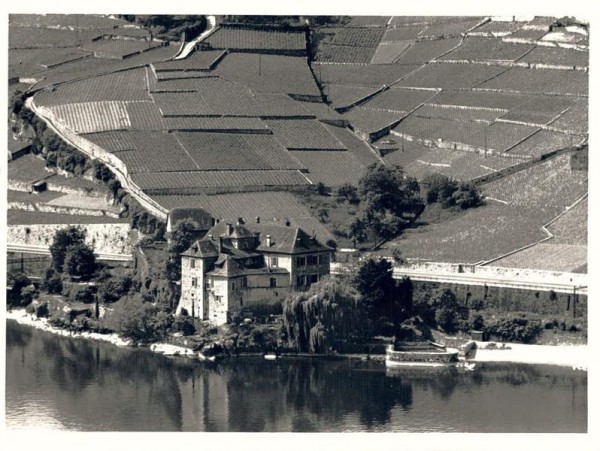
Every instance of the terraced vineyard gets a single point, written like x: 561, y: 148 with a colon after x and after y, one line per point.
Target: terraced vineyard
x: 547, y: 257
x: 93, y: 117
x: 550, y: 183
x: 307, y: 134
x: 333, y: 168
x: 239, y: 38
x: 253, y: 109
x: 269, y: 73
x: 477, y: 235
x: 419, y: 161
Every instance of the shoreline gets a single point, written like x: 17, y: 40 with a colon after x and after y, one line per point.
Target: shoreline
x: 575, y: 356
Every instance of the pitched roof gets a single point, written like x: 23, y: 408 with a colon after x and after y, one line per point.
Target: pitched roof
x: 284, y: 239
x: 202, y: 249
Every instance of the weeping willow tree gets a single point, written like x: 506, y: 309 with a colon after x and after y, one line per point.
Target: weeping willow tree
x: 331, y: 310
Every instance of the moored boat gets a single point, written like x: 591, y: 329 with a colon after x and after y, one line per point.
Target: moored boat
x: 417, y: 354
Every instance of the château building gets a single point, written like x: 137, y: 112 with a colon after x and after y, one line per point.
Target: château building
x: 236, y: 267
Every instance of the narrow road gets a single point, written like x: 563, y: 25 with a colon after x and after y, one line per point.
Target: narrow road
x: 188, y: 47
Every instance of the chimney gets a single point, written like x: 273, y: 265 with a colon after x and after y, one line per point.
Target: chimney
x: 268, y: 240
x: 210, y: 237
x: 229, y: 229
x: 240, y: 221
x: 258, y: 219
x: 287, y: 222
x: 220, y: 244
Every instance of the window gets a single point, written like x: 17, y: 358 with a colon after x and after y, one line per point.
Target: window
x: 244, y: 282
x: 274, y: 262
x: 301, y: 261
x: 194, y: 281
x: 321, y: 259
x: 301, y: 281
x: 232, y: 286
x: 314, y: 278
x: 192, y: 263
x: 273, y: 282
x: 312, y: 260
x: 219, y: 298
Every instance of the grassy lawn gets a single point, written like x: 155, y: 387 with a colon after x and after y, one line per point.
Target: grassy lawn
x: 339, y: 216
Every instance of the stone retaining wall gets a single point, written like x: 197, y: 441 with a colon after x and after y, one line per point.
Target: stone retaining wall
x: 111, y: 238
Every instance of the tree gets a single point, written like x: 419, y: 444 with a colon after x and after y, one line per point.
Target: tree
x: 439, y: 189
x: 181, y: 239
x: 114, y: 186
x: 449, y: 193
x: 80, y: 261
x: 391, y: 200
x: 63, y: 239
x: 330, y: 310
x: 375, y: 283
x: 358, y: 231
x: 439, y: 307
x: 467, y: 196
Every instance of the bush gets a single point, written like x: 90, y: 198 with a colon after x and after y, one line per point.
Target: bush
x: 42, y: 310
x: 347, y: 192
x: 86, y: 295
x: 28, y: 294
x: 184, y: 324
x: 321, y: 189
x: 114, y: 289
x: 142, y: 322
x: 52, y: 282
x: 446, y: 318
x: 518, y: 330
x: 17, y: 297
x: 477, y: 323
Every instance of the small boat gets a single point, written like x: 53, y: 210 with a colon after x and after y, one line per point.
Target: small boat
x: 417, y: 354
x: 212, y: 358
x: 271, y: 356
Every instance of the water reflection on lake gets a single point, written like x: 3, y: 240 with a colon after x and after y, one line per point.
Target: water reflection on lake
x: 56, y: 382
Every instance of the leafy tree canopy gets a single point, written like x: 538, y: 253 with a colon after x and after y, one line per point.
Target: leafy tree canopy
x: 80, y: 261
x: 63, y: 239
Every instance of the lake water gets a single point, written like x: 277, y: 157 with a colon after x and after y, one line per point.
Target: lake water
x: 55, y: 382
